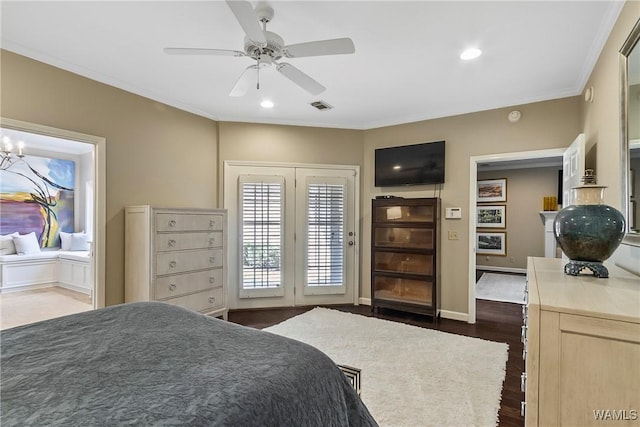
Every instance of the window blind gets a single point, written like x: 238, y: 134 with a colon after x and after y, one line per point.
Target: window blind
x: 325, y: 234
x: 262, y: 225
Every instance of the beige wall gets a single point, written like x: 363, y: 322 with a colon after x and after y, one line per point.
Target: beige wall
x: 544, y: 125
x: 155, y: 154
x: 526, y: 189
x: 600, y: 119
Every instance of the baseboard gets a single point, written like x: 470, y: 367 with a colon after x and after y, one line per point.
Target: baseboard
x: 75, y: 288
x: 364, y: 301
x: 454, y: 315
x: 503, y: 269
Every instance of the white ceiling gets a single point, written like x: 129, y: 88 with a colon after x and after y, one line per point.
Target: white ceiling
x: 406, y: 67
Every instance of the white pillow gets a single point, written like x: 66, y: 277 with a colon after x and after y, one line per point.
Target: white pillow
x: 6, y: 244
x: 79, y: 242
x: 26, y: 244
x: 65, y: 241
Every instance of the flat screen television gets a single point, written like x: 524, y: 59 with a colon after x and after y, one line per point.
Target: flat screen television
x: 410, y: 164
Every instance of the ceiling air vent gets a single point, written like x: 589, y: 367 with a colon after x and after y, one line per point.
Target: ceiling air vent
x: 321, y: 105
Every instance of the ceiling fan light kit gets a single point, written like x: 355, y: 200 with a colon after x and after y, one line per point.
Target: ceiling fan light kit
x: 266, y: 48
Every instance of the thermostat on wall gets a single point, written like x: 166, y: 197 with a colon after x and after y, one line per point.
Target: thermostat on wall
x: 453, y: 213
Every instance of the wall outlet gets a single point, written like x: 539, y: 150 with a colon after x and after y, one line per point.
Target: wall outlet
x: 453, y: 235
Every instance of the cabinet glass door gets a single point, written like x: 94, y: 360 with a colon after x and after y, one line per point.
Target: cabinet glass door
x: 404, y: 237
x: 404, y: 214
x: 403, y: 290
x: 403, y: 262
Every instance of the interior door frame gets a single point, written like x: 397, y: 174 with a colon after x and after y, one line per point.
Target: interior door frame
x: 99, y: 191
x: 473, y: 183
x: 356, y: 197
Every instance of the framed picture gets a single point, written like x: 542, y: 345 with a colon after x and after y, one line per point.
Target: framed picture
x: 491, y: 216
x: 491, y: 243
x: 492, y: 190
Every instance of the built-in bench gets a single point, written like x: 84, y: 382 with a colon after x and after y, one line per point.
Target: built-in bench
x: 68, y: 269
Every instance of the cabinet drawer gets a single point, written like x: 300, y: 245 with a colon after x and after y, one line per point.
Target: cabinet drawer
x: 188, y: 222
x: 202, y: 301
x: 403, y: 262
x: 404, y: 237
x: 176, y: 242
x: 180, y: 284
x: 424, y: 213
x: 403, y: 290
x: 180, y: 262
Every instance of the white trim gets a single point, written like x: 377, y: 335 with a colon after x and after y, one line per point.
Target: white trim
x: 455, y: 315
x: 503, y: 269
x: 100, y: 191
x: 365, y: 301
x: 473, y: 182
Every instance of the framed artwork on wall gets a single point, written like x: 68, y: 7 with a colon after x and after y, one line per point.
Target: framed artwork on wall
x: 492, y: 190
x: 491, y: 216
x: 489, y: 243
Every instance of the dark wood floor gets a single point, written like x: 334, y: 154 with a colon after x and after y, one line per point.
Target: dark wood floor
x: 495, y: 321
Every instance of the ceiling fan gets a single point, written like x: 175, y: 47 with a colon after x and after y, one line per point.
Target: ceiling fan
x: 266, y: 48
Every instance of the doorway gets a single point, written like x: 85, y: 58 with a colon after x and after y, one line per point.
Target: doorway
x: 524, y: 156
x: 90, y: 206
x: 293, y: 234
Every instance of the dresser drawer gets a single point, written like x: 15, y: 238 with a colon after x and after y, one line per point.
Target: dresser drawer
x: 202, y: 301
x: 180, y: 262
x: 180, y: 284
x: 181, y: 241
x: 188, y: 222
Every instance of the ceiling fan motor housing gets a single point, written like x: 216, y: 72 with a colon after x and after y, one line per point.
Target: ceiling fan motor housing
x: 274, y: 47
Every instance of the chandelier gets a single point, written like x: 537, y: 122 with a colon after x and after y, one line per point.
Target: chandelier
x: 7, y: 156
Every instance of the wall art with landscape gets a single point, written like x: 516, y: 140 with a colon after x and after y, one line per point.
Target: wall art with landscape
x: 37, y: 194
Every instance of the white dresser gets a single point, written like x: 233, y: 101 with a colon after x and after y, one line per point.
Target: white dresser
x: 177, y: 256
x: 582, y: 347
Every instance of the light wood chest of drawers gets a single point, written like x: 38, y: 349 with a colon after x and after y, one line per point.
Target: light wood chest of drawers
x: 177, y: 256
x: 582, y: 347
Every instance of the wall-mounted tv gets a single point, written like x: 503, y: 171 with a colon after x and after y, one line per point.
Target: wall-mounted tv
x: 410, y: 165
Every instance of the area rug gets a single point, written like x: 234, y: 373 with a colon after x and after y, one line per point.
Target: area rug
x: 411, y: 376
x: 501, y: 287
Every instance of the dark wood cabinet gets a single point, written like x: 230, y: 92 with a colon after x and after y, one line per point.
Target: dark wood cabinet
x: 405, y: 238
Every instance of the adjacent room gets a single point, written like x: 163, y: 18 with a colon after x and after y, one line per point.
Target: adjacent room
x: 351, y: 213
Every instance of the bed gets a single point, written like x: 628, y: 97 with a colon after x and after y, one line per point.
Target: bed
x: 152, y: 363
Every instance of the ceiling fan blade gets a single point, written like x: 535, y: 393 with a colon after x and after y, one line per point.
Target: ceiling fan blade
x: 301, y: 79
x: 244, y: 81
x: 198, y: 51
x: 322, y: 47
x: 248, y: 20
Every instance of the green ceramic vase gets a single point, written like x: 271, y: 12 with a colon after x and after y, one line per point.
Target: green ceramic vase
x: 588, y: 232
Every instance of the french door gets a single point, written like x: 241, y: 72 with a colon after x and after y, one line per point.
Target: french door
x: 296, y: 235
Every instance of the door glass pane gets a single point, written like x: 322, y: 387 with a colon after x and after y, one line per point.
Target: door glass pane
x: 403, y: 263
x: 404, y: 213
x: 262, y: 225
x: 403, y: 290
x: 325, y: 241
x: 404, y: 237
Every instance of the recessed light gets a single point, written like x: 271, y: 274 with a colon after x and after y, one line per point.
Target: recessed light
x: 470, y: 53
x: 397, y: 167
x: 266, y: 104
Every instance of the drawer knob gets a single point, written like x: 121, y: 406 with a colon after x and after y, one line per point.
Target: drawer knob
x: 212, y: 279
x: 523, y: 382
x: 172, y: 223
x: 172, y: 243
x: 524, y: 354
x: 212, y: 299
x: 212, y: 259
x: 172, y: 287
x: 172, y: 264
x: 212, y: 241
x: 212, y: 223
x: 523, y: 334
x: 523, y: 408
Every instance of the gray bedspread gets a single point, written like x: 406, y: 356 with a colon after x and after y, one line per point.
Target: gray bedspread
x: 156, y: 364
